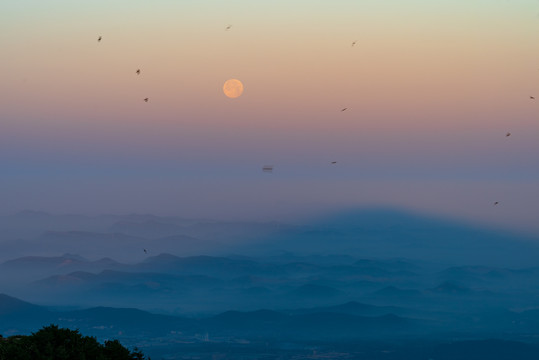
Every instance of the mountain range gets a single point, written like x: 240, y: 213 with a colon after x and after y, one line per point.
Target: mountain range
x: 380, y: 233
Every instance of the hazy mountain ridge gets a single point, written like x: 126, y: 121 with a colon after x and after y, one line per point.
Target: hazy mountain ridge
x: 380, y: 233
x: 247, y: 283
x: 360, y: 275
x: 132, y: 321
x: 335, y: 322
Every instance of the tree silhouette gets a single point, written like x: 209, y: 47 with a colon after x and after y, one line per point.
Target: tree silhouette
x: 53, y: 343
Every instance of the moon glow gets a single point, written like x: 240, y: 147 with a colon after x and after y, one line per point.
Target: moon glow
x: 233, y: 88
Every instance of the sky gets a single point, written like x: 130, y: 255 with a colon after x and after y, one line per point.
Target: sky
x: 430, y: 89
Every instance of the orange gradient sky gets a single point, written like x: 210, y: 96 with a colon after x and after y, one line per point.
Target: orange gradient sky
x: 431, y: 88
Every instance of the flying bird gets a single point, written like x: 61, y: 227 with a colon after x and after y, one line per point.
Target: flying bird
x: 532, y: 97
x: 353, y: 43
x: 146, y: 99
x: 344, y: 109
x: 496, y: 203
x: 99, y: 38
x: 228, y: 27
x: 145, y: 251
x: 267, y: 168
x: 138, y: 71
x: 508, y: 134
x: 333, y: 162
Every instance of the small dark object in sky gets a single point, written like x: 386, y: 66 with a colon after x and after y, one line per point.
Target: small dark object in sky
x: 138, y: 71
x: 344, y: 109
x: 99, y: 38
x: 496, y: 203
x: 532, y: 97
x: 145, y: 251
x: 353, y: 43
x: 267, y: 168
x: 228, y: 27
x: 146, y: 99
x: 508, y: 134
x: 333, y: 162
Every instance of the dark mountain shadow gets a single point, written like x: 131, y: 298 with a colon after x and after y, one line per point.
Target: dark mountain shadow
x: 389, y: 233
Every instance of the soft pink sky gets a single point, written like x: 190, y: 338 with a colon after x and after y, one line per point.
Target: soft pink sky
x: 430, y: 89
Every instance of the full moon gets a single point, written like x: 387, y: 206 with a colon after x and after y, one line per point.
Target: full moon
x: 233, y: 88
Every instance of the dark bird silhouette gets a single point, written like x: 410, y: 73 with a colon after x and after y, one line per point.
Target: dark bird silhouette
x: 508, y: 134
x: 496, y: 203
x: 353, y: 43
x: 344, y: 109
x: 267, y: 168
x: 99, y: 38
x: 145, y: 251
x: 138, y: 71
x: 532, y: 97
x: 228, y: 27
x: 333, y: 162
x: 146, y: 99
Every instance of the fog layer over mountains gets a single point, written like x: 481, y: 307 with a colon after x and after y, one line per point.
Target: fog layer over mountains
x: 369, y: 275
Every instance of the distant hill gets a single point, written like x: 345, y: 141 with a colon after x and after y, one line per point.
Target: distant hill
x: 10, y: 306
x: 451, y: 288
x: 352, y: 308
x: 31, y: 268
x: 392, y: 291
x: 129, y: 321
x: 121, y: 237
x: 203, y: 265
x: 493, y: 277
x: 118, y: 283
x: 315, y: 291
x: 20, y: 316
